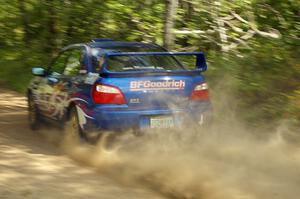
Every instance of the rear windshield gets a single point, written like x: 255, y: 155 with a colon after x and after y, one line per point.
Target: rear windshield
x: 134, y: 63
x: 142, y: 62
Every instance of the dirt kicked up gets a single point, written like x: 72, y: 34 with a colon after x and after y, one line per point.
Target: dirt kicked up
x: 224, y: 162
x: 228, y: 164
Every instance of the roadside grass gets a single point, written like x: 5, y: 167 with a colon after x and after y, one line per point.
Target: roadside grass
x: 14, y: 75
x: 15, y: 67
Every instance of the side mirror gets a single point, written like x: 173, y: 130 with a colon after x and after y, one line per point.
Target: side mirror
x: 38, y: 72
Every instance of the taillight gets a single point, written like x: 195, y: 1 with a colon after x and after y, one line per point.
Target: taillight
x: 105, y: 94
x: 200, y: 92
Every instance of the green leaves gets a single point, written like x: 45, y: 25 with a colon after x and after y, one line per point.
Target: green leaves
x: 235, y: 35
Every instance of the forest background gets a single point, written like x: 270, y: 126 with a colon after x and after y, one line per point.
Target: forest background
x: 252, y: 46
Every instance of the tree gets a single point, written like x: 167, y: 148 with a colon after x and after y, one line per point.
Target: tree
x: 171, y: 10
x: 226, y: 28
x: 25, y: 22
x: 51, y: 26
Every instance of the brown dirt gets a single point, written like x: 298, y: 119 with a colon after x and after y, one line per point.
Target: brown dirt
x: 33, y: 167
x: 226, y: 161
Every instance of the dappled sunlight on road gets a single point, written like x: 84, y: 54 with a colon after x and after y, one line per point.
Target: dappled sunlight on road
x: 34, y: 174
x: 32, y: 167
x: 9, y: 99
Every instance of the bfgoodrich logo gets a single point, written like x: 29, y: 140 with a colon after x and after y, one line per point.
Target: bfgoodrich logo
x: 157, y: 85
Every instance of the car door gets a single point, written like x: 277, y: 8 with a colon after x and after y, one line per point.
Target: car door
x: 69, y: 83
x: 48, y: 85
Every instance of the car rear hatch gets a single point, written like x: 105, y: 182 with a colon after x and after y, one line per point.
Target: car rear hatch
x: 155, y: 92
x: 156, y: 88
x: 152, y: 95
x: 153, y: 80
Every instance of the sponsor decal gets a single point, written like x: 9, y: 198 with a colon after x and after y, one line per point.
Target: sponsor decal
x: 56, y: 101
x: 135, y: 101
x: 157, y: 85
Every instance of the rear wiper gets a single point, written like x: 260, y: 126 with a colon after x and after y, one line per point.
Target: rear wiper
x: 137, y: 68
x: 130, y: 69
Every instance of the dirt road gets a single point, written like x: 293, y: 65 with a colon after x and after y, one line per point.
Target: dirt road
x: 228, y: 161
x: 33, y: 167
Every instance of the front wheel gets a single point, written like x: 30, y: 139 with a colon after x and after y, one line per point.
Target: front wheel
x: 33, y: 114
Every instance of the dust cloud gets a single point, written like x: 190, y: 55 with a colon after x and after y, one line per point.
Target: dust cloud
x: 225, y: 161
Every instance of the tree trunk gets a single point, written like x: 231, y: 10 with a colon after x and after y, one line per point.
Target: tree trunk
x: 171, y: 10
x: 51, y: 26
x: 25, y: 22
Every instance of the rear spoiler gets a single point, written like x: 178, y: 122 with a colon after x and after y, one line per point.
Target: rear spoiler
x: 200, y: 65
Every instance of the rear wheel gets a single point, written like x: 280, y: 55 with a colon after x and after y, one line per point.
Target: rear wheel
x: 73, y: 133
x: 72, y: 129
x: 33, y: 114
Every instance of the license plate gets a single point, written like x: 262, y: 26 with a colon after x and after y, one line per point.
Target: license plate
x: 161, y: 122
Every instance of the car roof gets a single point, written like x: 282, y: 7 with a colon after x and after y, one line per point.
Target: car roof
x: 107, y: 44
x: 114, y: 44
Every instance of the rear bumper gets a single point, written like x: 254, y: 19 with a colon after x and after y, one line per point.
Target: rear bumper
x: 123, y: 120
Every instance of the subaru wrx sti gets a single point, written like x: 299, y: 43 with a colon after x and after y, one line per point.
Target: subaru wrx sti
x: 115, y: 86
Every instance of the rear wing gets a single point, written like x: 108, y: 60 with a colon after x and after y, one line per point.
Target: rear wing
x: 200, y: 65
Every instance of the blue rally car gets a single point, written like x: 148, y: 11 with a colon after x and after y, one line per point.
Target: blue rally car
x: 114, y: 86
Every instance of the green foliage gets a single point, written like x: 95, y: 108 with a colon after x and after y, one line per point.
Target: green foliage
x: 264, y: 72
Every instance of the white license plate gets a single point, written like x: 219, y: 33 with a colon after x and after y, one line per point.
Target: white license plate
x: 161, y: 122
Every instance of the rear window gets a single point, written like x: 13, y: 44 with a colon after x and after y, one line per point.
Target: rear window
x: 145, y: 62
x: 134, y: 63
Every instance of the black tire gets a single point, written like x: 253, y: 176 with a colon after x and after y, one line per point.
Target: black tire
x: 72, y: 130
x: 73, y: 133
x: 33, y: 114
